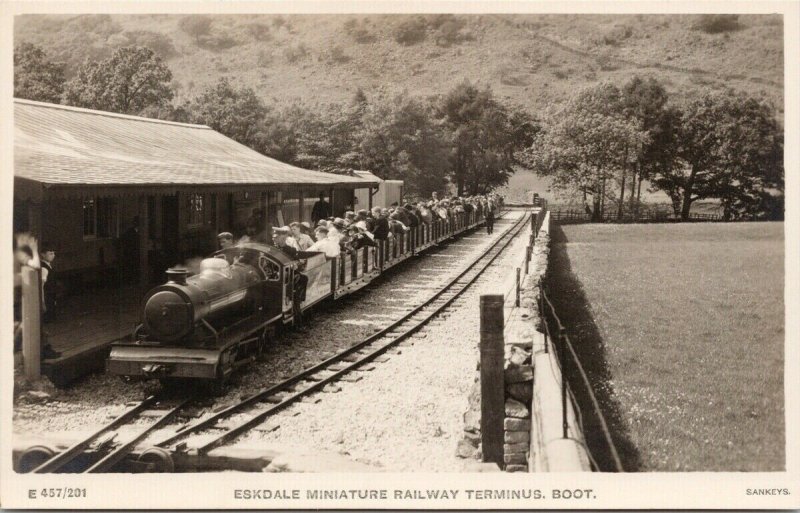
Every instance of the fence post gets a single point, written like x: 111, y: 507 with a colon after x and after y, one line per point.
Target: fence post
x: 492, y: 380
x: 516, y: 303
x: 542, y: 314
x: 562, y: 338
x: 31, y: 322
x: 527, y: 258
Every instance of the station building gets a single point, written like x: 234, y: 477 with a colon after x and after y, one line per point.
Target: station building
x: 109, y: 191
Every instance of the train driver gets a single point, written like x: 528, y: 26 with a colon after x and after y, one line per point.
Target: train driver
x: 225, y: 240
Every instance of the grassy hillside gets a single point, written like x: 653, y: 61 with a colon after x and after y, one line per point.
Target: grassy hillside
x: 529, y: 60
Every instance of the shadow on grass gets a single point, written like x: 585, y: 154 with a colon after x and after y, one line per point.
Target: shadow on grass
x: 566, y: 293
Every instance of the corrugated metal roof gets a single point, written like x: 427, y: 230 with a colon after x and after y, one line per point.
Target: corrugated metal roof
x: 68, y: 146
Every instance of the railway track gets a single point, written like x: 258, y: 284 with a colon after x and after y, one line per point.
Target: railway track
x: 152, y: 413
x: 224, y: 426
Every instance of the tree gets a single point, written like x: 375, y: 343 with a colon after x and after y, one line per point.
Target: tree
x: 35, y: 76
x: 730, y: 147
x: 132, y: 79
x: 235, y: 112
x: 587, y: 143
x: 399, y: 139
x: 484, y: 140
x: 196, y: 26
x: 645, y: 102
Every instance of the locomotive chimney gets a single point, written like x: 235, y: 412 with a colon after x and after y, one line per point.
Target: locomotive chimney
x: 177, y: 275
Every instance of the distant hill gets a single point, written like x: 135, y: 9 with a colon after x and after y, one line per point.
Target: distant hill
x: 532, y: 61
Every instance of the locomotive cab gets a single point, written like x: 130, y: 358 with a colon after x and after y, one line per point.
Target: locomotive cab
x: 276, y: 269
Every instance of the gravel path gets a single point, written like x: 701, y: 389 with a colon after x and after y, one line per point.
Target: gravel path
x: 406, y: 413
x: 332, y: 328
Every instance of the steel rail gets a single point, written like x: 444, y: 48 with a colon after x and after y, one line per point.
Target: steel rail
x: 108, y: 461
x: 507, y: 236
x: 69, y: 454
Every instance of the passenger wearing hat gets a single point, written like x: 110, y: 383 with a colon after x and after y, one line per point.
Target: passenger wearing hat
x: 325, y: 244
x: 225, y: 240
x: 336, y: 229
x: 284, y: 241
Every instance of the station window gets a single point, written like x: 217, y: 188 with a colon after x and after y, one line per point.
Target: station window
x: 196, y: 208
x: 100, y: 219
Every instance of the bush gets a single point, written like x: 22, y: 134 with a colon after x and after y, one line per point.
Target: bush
x: 159, y: 43
x: 278, y: 22
x: 716, y: 23
x: 449, y: 32
x: 196, y: 26
x: 411, y: 31
x: 259, y: 31
x: 358, y: 31
x: 295, y: 53
x: 336, y: 55
x: 617, y: 34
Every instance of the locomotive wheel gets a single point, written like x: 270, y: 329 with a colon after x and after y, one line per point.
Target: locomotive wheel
x: 160, y: 460
x: 33, y: 457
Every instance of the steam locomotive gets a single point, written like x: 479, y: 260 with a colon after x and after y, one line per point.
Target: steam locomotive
x: 207, y: 324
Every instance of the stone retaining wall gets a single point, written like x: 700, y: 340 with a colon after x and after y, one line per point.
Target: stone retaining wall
x: 531, y: 442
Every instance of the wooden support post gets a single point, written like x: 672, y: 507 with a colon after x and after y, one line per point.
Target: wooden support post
x: 31, y: 322
x: 144, y: 242
x: 492, y: 380
x: 334, y: 274
x: 516, y: 303
x: 300, y: 206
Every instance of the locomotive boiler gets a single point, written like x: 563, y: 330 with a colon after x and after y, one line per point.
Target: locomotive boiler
x: 205, y: 324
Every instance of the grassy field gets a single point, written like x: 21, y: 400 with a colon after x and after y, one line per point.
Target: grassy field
x: 682, y: 329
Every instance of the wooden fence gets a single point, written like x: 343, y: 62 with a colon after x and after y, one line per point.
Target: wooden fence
x: 577, y: 216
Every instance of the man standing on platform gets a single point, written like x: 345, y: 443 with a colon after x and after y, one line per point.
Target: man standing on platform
x: 321, y: 210
x: 490, y: 216
x: 46, y: 258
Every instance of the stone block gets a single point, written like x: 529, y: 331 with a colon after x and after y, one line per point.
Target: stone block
x: 520, y: 391
x: 465, y: 449
x: 518, y: 447
x: 517, y: 356
x: 518, y: 373
x: 510, y: 424
x: 515, y: 458
x: 516, y: 437
x: 516, y: 409
x: 473, y: 438
x: 472, y: 421
x: 516, y: 468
